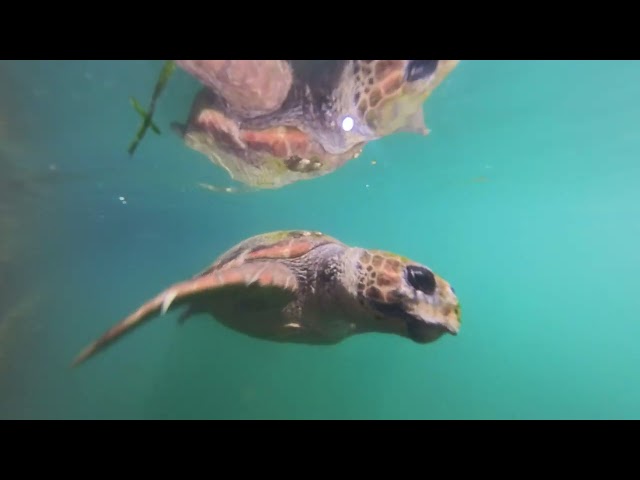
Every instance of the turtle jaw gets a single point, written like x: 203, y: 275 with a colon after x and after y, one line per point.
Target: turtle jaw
x: 423, y: 330
x: 423, y: 333
x: 422, y: 324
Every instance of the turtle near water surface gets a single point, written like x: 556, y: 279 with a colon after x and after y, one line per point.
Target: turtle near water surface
x: 310, y: 288
x: 270, y: 123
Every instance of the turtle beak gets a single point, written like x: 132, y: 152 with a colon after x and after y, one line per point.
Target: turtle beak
x: 453, y: 330
x: 453, y: 320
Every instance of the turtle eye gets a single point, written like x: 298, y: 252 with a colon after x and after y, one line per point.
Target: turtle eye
x: 420, y: 69
x: 421, y: 279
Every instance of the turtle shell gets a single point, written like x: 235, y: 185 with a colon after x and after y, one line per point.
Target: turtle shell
x: 285, y: 244
x: 247, y: 288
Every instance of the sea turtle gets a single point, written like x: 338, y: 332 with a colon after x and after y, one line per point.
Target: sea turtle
x: 307, y: 287
x: 271, y: 124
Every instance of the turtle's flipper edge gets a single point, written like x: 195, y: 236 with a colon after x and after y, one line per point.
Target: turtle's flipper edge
x: 184, y: 292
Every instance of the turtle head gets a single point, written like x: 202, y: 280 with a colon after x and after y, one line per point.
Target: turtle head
x: 386, y: 96
x: 405, y: 297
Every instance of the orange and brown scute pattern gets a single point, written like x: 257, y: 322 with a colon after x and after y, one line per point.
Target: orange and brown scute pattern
x: 380, y: 276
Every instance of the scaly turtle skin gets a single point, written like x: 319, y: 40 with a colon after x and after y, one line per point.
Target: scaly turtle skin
x: 332, y: 109
x: 307, y: 287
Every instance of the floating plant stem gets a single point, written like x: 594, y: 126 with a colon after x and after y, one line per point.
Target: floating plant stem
x: 147, y: 115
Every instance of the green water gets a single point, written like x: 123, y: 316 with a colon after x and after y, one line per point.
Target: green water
x: 524, y: 197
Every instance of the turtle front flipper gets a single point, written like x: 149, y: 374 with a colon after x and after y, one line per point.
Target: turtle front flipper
x: 250, y: 87
x: 189, y: 292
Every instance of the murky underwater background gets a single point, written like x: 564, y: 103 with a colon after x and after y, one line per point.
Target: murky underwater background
x: 524, y: 197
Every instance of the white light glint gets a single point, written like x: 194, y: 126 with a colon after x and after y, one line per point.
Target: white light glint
x: 347, y: 124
